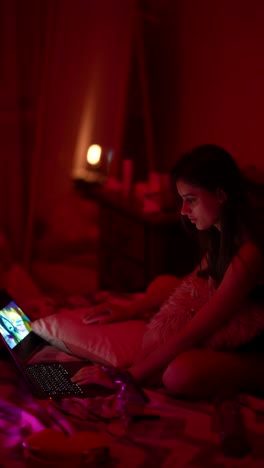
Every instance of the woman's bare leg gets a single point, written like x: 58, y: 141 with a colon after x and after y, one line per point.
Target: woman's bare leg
x: 202, y: 374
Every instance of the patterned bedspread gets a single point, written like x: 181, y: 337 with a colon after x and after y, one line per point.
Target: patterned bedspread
x: 184, y: 435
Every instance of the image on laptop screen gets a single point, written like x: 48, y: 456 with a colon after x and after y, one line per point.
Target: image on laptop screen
x: 14, y: 324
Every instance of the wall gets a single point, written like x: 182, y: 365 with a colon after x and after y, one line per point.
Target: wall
x: 206, y: 80
x: 85, y: 85
x: 213, y: 77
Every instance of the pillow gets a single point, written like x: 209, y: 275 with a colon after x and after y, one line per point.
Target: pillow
x: 112, y: 344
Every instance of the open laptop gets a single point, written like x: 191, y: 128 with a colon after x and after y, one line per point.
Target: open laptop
x: 48, y: 380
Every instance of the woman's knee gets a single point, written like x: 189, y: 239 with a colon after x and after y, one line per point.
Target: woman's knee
x: 203, y: 373
x: 180, y: 377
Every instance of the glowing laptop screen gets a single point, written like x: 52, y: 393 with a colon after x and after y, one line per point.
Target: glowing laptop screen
x: 14, y: 324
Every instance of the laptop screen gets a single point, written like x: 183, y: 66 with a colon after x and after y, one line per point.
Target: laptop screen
x: 14, y: 324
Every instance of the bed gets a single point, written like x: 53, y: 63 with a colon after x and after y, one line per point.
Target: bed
x: 178, y: 433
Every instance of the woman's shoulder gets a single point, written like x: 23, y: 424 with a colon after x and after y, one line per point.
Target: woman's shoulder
x: 242, y: 274
x: 250, y: 246
x: 255, y: 261
x: 250, y: 250
x: 250, y: 255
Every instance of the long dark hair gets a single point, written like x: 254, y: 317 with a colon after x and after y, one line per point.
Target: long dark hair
x: 212, y: 167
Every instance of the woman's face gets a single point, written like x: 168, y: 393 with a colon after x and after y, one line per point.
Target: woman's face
x: 202, y: 207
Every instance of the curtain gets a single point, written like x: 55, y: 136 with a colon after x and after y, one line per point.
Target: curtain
x: 27, y: 28
x: 63, y: 64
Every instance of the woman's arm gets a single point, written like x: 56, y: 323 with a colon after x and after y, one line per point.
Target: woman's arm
x: 240, y: 277
x: 156, y: 293
x: 159, y: 291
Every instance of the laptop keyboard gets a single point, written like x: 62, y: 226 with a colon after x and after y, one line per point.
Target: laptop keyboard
x: 54, y: 379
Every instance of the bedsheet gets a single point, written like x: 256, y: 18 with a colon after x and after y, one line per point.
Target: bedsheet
x: 185, y: 434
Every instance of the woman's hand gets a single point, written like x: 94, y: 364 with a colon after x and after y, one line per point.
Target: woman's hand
x: 94, y: 313
x: 92, y: 375
x: 116, y: 313
x: 108, y: 312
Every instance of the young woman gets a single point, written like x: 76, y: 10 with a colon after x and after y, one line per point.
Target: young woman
x: 207, y: 337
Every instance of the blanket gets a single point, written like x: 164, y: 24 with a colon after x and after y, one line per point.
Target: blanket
x: 184, y: 435
x: 176, y: 432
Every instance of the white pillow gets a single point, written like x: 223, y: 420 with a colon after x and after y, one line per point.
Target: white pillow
x: 112, y: 344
